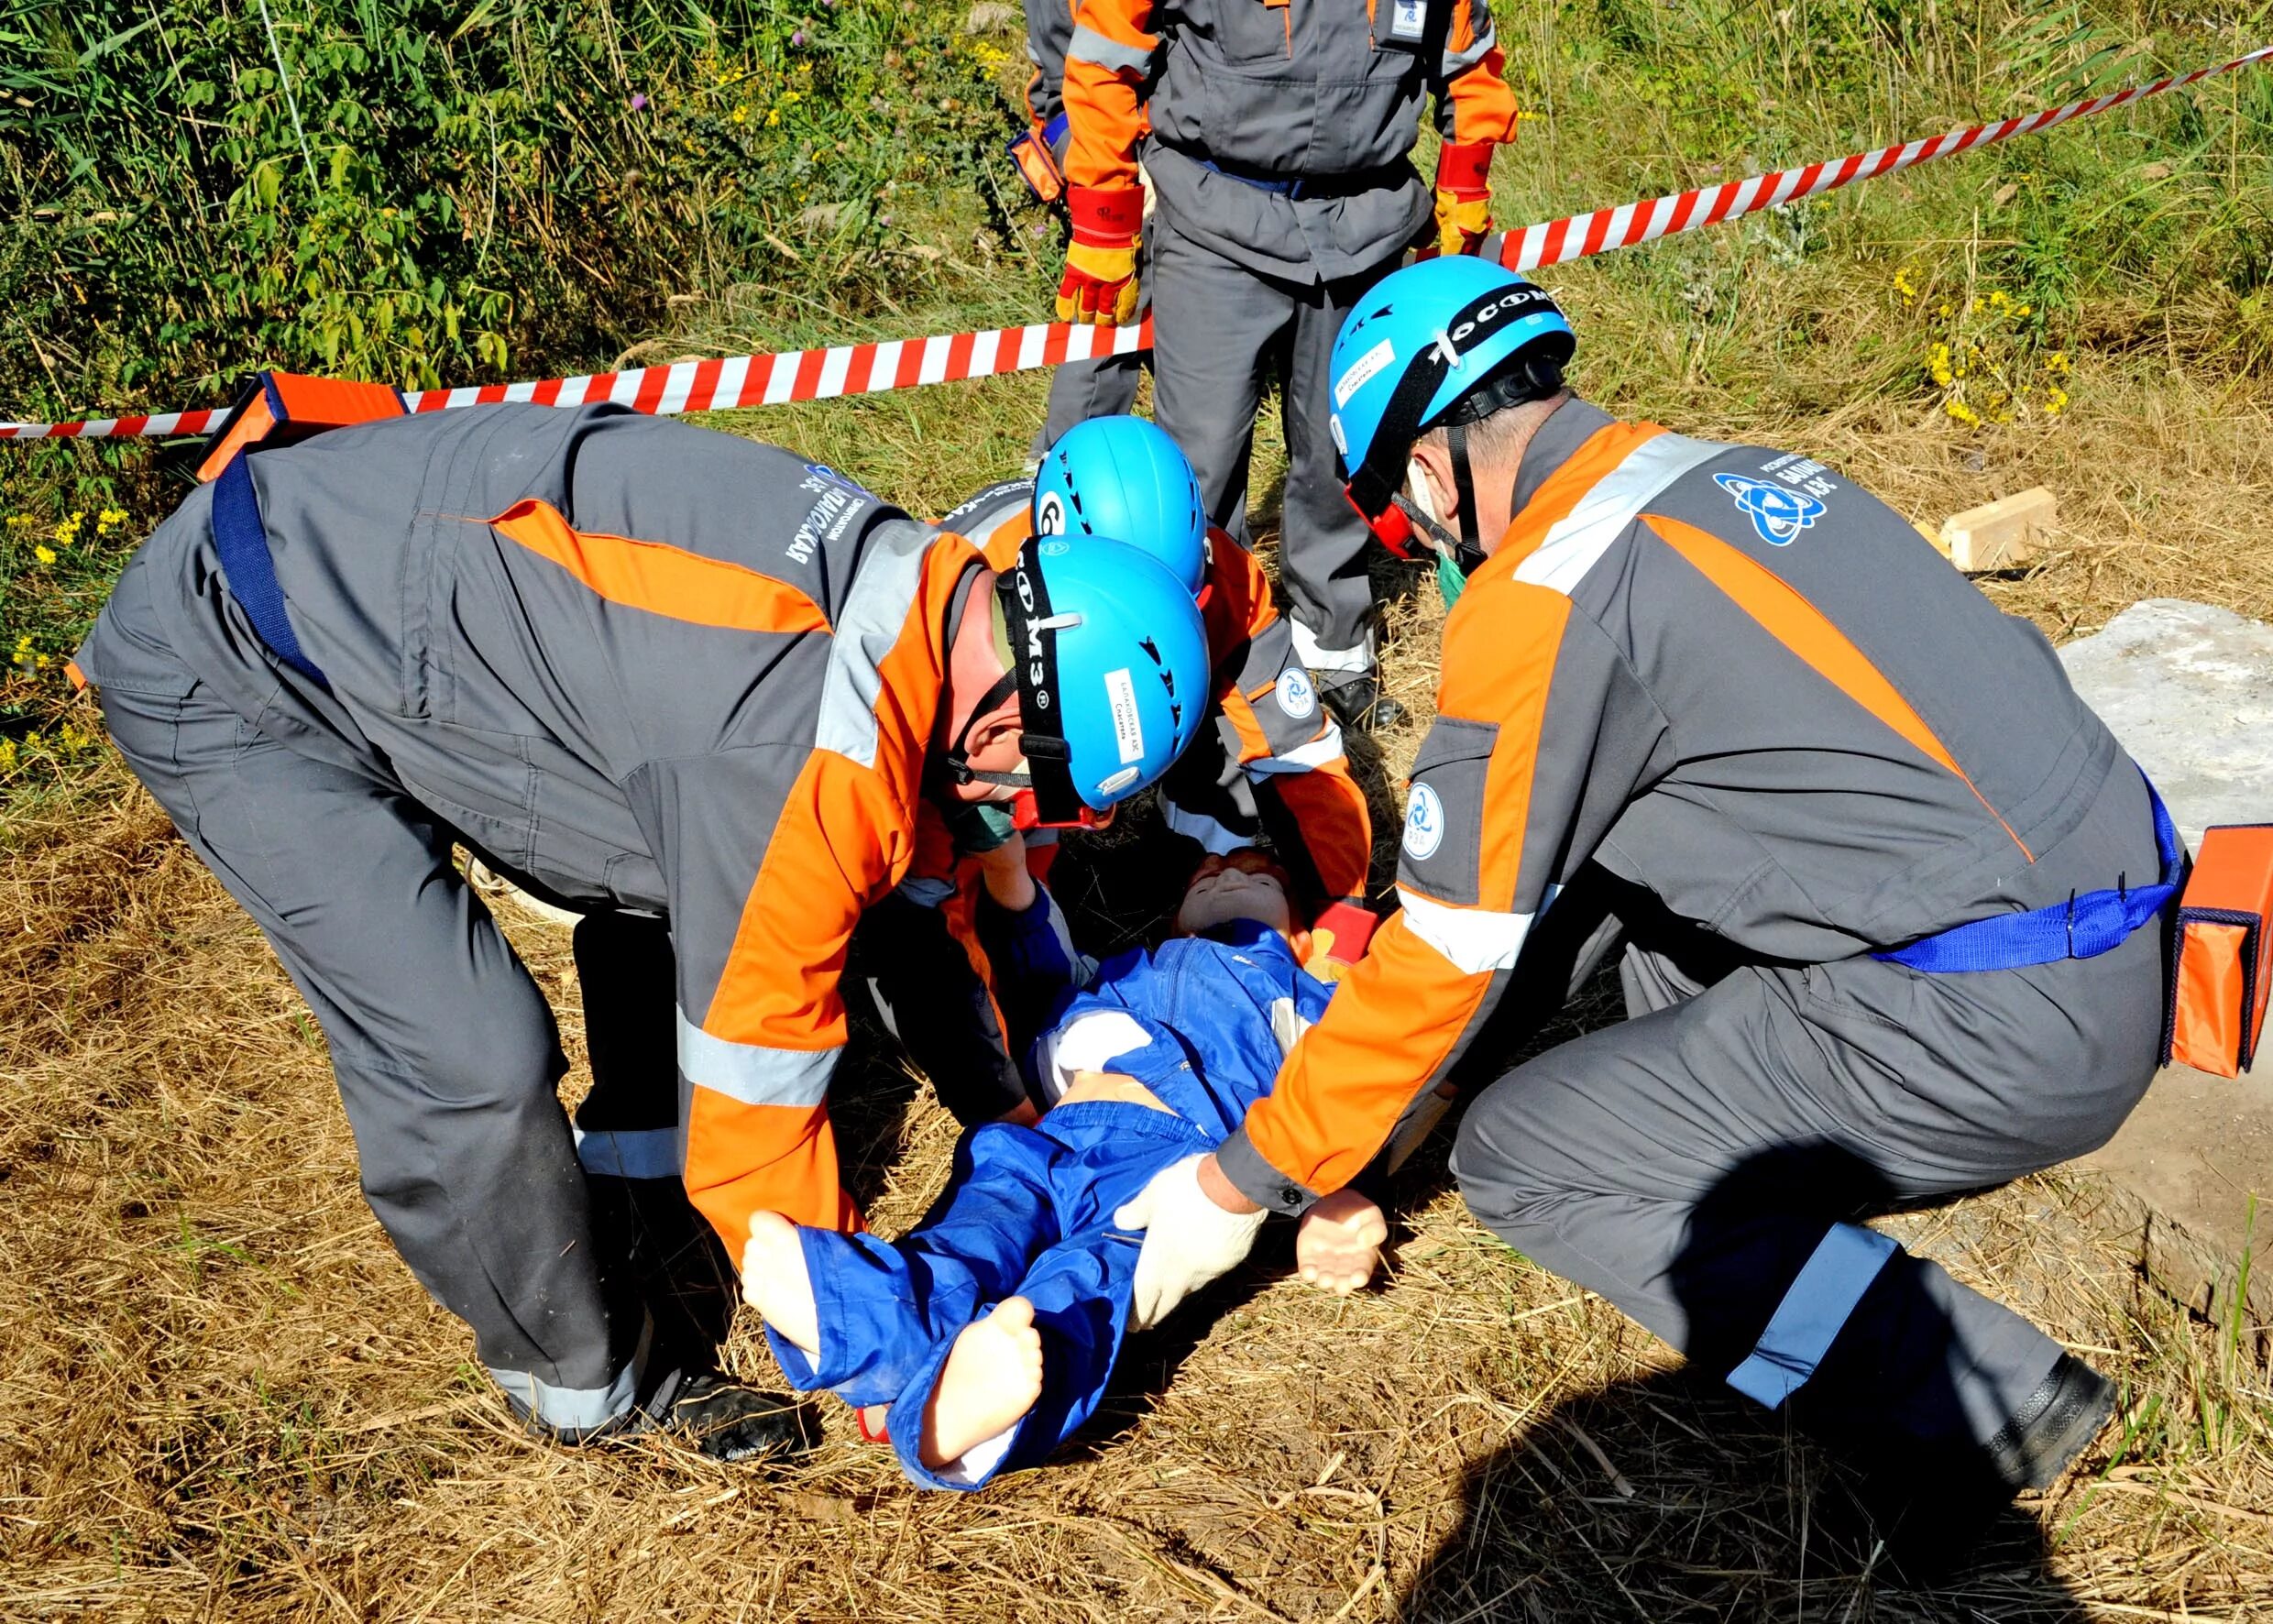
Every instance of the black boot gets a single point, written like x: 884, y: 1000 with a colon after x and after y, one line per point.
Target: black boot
x: 1360, y: 704
x: 1934, y: 1507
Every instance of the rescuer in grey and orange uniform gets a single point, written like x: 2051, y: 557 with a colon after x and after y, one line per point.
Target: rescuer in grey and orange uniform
x: 660, y: 675
x: 1894, y: 900
x: 1280, y: 138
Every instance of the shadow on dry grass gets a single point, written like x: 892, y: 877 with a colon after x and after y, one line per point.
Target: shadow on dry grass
x: 221, y: 1396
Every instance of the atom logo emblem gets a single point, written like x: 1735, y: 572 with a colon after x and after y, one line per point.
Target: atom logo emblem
x: 1425, y: 823
x: 1777, y: 513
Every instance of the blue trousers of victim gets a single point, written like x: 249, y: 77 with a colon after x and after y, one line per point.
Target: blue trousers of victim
x: 1028, y: 1213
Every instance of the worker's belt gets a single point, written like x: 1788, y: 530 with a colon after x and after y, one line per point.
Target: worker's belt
x: 242, y: 544
x: 1292, y: 187
x: 2081, y: 928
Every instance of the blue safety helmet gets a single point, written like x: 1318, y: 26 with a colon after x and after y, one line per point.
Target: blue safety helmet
x: 1445, y: 342
x: 1125, y: 477
x: 1107, y: 653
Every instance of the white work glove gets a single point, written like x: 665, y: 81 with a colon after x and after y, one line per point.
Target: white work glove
x: 1189, y: 1240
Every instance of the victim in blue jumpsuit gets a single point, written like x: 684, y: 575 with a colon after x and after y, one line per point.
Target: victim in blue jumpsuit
x: 1028, y: 1211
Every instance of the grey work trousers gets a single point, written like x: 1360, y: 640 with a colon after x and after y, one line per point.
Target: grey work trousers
x: 1688, y: 1163
x: 1220, y: 332
x: 446, y: 1052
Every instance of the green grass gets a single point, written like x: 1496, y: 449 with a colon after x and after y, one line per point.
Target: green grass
x: 166, y: 231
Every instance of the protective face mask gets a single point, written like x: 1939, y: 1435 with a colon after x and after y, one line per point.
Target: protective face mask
x: 1451, y: 579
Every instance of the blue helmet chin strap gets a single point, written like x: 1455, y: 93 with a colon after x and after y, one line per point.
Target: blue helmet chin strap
x: 1047, y: 797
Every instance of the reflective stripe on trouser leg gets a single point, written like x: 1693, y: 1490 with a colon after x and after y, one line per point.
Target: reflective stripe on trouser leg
x: 1815, y: 1307
x: 1326, y: 663
x: 575, y: 1410
x: 632, y: 1153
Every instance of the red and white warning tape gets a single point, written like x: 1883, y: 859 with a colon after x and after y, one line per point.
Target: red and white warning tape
x: 898, y: 364
x: 1557, y: 241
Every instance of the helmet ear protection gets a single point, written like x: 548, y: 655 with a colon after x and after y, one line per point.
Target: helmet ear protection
x: 1532, y: 373
x: 1047, y: 797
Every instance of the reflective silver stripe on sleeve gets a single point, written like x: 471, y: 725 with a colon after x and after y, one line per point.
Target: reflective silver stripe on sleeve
x: 1814, y: 1310
x: 632, y: 1153
x: 1089, y: 46
x: 1474, y: 939
x: 1575, y: 546
x: 1457, y: 62
x: 1326, y: 748
x: 866, y: 627
x: 753, y: 1073
x: 1213, y: 836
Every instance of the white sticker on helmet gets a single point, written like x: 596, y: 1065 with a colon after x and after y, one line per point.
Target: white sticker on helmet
x: 1049, y: 515
x: 1363, y: 370
x: 1128, y: 728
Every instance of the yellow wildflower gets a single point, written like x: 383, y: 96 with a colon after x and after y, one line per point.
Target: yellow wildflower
x: 21, y: 521
x: 46, y: 555
x: 773, y: 116
x: 7, y: 755
x: 23, y: 643
x: 741, y: 115
x: 2058, y: 364
x: 2055, y: 401
x: 1998, y: 299
x: 1963, y: 413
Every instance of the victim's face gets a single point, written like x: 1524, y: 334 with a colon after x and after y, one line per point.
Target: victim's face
x: 1244, y: 885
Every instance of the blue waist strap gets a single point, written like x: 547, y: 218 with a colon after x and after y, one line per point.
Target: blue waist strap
x: 243, y: 545
x: 2081, y: 928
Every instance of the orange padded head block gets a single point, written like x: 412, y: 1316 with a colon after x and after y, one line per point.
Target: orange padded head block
x: 279, y: 407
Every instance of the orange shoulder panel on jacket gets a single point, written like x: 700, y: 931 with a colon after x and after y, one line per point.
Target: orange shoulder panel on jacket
x: 661, y: 578
x: 1786, y: 614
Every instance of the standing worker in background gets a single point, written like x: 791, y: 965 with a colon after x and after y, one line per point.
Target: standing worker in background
x: 657, y: 674
x: 1107, y: 385
x: 1280, y: 138
x: 1894, y: 900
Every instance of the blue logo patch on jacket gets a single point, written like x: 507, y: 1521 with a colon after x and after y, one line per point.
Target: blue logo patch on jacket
x: 1777, y: 513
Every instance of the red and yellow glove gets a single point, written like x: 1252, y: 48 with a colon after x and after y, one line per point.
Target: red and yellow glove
x: 1100, y: 283
x: 1462, y: 195
x: 1338, y: 937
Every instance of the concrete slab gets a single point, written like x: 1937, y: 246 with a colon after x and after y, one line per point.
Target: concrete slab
x: 2187, y: 688
x: 2179, y: 1180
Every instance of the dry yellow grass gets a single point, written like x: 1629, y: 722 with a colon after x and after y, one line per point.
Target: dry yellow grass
x: 221, y: 1396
